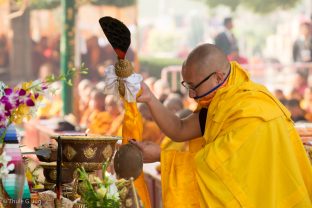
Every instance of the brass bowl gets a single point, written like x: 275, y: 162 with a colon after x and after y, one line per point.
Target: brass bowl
x: 89, y: 151
x: 49, y: 172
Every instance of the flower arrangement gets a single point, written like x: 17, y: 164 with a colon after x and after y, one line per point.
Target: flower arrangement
x: 108, y: 191
x: 104, y: 193
x: 22, y: 101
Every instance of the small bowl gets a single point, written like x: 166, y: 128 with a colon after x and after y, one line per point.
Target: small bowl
x: 49, y: 172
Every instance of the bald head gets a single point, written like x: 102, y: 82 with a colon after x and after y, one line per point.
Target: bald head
x: 207, y: 58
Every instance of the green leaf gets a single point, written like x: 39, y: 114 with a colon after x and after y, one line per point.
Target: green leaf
x: 69, y: 82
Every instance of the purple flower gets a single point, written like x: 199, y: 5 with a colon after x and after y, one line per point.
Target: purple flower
x: 8, y: 91
x: 30, y: 102
x: 44, y: 86
x: 25, y: 98
x: 22, y: 92
x: 10, y: 100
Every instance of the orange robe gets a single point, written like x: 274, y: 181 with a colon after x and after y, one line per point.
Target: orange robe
x: 115, y: 128
x: 99, y: 122
x: 151, y: 132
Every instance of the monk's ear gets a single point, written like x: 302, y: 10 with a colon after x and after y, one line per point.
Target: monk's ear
x: 219, y: 76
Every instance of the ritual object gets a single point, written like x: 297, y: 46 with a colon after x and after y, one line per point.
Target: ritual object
x: 128, y: 162
x: 123, y: 82
x: 88, y: 151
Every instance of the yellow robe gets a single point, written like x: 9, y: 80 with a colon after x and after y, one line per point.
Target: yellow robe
x: 178, y: 178
x: 253, y: 156
x: 168, y: 144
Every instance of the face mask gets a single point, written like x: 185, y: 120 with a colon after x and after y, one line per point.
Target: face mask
x: 206, y: 100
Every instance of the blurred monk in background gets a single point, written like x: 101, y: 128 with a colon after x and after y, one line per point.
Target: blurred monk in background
x: 84, y: 89
x: 113, y: 107
x: 151, y: 131
x: 99, y: 121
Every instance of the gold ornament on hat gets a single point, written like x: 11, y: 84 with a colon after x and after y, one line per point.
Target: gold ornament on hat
x: 123, y: 69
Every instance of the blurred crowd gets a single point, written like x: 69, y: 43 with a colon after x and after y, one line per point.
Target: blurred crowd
x: 299, y: 100
x: 103, y: 114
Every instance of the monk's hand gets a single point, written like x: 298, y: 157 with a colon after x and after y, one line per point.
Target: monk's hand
x: 150, y: 151
x: 145, y: 95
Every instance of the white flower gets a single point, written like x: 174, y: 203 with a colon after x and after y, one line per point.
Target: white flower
x: 113, y: 192
x: 101, y: 192
x: 4, y: 160
x: 110, y: 178
x: 2, y: 87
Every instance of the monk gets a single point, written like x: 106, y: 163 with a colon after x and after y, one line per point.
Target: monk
x: 99, y: 121
x: 113, y: 107
x: 84, y: 105
x: 252, y: 155
x: 51, y: 107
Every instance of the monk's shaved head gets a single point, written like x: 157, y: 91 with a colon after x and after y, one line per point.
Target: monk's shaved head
x: 207, y: 58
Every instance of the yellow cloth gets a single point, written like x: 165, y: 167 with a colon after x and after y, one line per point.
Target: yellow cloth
x: 178, y: 178
x: 99, y: 122
x: 132, y: 128
x: 253, y: 155
x: 196, y: 144
x: 179, y: 187
x: 168, y: 144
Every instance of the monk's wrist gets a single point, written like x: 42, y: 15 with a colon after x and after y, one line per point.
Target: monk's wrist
x: 152, y: 100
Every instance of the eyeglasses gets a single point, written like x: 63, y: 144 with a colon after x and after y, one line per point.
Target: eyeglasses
x: 188, y: 86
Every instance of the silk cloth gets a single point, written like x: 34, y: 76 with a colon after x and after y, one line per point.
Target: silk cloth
x: 132, y: 84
